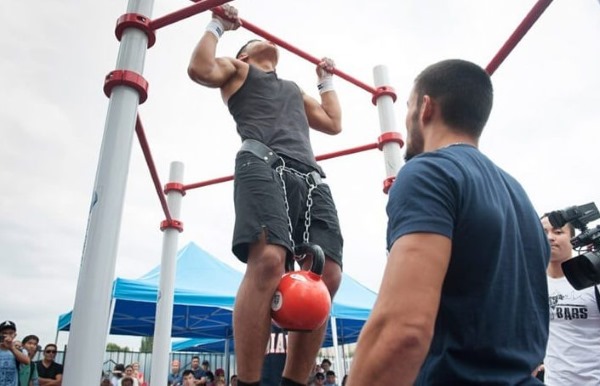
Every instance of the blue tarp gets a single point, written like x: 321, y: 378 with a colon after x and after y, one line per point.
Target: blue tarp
x: 205, y: 290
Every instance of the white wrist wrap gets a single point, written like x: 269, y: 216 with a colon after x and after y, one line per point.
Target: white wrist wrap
x: 216, y: 28
x: 325, y: 84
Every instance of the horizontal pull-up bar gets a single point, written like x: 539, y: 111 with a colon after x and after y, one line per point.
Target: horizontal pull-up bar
x: 279, y: 42
x: 517, y: 35
x: 321, y: 157
x: 184, y: 13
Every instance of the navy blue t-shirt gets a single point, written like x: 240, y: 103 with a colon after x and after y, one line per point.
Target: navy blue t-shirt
x: 492, y: 324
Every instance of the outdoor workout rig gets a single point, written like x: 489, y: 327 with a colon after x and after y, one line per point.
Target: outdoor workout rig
x: 127, y: 88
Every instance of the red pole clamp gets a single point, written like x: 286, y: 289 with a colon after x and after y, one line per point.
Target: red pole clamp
x: 174, y: 186
x: 389, y: 136
x: 135, y: 20
x: 171, y: 224
x: 126, y: 78
x: 384, y: 90
x: 387, y: 184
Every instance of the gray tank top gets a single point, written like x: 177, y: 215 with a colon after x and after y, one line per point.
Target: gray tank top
x: 271, y: 110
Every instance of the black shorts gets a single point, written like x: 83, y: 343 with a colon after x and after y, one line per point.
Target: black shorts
x: 260, y: 207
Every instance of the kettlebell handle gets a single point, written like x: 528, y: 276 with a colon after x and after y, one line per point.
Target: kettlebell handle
x: 310, y: 249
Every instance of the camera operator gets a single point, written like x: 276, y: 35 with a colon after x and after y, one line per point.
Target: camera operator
x: 573, y: 352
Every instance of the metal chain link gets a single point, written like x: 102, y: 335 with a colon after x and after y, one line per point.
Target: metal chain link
x: 309, y: 202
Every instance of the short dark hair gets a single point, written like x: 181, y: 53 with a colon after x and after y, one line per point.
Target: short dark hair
x: 462, y: 89
x: 50, y: 345
x: 31, y: 337
x: 186, y: 373
x: 320, y: 375
x: 196, y: 357
x: 330, y: 372
x: 325, y: 360
x: 243, y: 49
x: 571, y: 227
x: 127, y: 381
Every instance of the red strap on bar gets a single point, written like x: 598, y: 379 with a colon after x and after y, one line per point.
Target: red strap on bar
x: 389, y: 136
x: 135, y: 20
x: 174, y: 186
x: 171, y: 224
x: 387, y: 184
x: 126, y: 78
x: 384, y: 90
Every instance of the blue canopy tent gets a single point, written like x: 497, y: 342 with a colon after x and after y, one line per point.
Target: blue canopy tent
x: 205, y: 290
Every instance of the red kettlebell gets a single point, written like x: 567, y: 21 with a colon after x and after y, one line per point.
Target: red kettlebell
x: 302, y: 301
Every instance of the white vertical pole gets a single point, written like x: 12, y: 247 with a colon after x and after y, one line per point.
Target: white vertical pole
x: 385, y: 106
x: 89, y: 324
x: 161, y: 346
x: 334, y: 337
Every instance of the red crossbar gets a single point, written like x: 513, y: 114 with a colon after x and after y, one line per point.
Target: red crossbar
x: 139, y: 129
x: 184, y: 13
x: 261, y: 32
x: 321, y: 157
x: 517, y: 35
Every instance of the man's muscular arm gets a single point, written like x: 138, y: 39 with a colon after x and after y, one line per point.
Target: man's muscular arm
x: 205, y: 68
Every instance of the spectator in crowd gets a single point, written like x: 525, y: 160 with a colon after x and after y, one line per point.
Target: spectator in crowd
x: 467, y: 252
x: 28, y: 375
x: 175, y: 374
x: 318, y: 380
x: 199, y: 372
x: 219, y: 382
x: 188, y: 378
x: 130, y: 373
x: 574, y: 319
x: 330, y: 378
x: 138, y: 374
x: 127, y: 381
x: 207, y: 373
x: 325, y: 365
x: 105, y: 382
x: 233, y: 381
x: 10, y: 354
x: 49, y: 371
x: 219, y: 374
x: 117, y: 374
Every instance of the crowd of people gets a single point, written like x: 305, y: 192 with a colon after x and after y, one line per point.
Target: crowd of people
x: 17, y: 365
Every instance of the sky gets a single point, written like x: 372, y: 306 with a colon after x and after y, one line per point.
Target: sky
x: 55, y: 54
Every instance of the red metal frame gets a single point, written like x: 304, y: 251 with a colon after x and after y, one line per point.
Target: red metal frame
x: 136, y: 81
x: 517, y: 35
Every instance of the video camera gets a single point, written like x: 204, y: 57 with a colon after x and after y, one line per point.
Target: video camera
x: 582, y: 271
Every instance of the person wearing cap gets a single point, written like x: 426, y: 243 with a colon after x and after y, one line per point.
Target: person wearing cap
x: 49, y: 371
x: 330, y: 378
x: 10, y: 354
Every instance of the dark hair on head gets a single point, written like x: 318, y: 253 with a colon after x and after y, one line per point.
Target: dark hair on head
x: 196, y: 357
x: 127, y: 381
x: 243, y: 49
x: 571, y: 227
x: 186, y: 373
x: 50, y: 345
x: 30, y: 337
x: 330, y: 372
x: 462, y: 89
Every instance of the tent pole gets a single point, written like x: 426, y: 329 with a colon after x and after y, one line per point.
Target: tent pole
x: 334, y: 336
x: 164, y: 303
